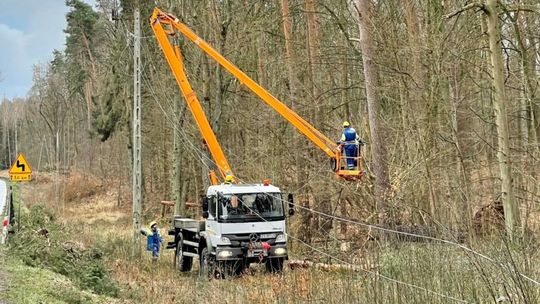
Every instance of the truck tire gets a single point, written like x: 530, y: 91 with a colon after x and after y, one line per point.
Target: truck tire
x: 182, y: 263
x: 274, y: 265
x: 206, y: 268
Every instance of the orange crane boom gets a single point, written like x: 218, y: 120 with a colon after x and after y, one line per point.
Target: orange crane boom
x: 173, y: 56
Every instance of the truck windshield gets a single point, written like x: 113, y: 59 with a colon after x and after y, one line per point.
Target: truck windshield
x: 251, y: 207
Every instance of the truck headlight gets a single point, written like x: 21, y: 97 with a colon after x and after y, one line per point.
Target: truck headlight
x: 225, y: 240
x: 281, y: 238
x: 280, y: 251
x: 224, y: 254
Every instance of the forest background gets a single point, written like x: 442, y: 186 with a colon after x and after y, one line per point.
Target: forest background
x: 444, y: 92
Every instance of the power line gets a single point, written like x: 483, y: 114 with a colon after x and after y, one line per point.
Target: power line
x: 352, y: 265
x: 381, y: 275
x: 465, y: 248
x: 154, y: 95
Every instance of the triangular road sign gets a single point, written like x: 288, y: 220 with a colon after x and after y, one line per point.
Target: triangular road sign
x: 20, y: 166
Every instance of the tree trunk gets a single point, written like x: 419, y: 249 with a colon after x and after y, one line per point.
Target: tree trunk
x: 177, y: 183
x: 378, y: 149
x: 534, y: 106
x: 500, y: 102
x: 290, y: 58
x: 529, y: 83
x: 460, y: 126
x: 314, y: 56
x: 219, y: 34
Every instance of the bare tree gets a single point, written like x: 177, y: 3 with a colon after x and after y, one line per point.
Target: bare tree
x: 492, y: 10
x: 500, y: 104
x: 378, y: 148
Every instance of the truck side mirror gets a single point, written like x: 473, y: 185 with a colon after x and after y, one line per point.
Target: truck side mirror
x: 204, y: 203
x: 290, y: 199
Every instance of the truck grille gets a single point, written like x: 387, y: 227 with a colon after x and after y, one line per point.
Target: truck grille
x: 244, y: 238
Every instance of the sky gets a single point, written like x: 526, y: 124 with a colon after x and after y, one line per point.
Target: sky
x: 29, y: 31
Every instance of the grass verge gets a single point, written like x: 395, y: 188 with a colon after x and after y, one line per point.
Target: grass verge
x: 46, y: 264
x: 36, y: 285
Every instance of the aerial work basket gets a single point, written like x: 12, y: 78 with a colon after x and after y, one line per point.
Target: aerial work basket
x: 348, y: 161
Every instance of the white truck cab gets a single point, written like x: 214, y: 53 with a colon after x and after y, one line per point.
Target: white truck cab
x: 244, y: 223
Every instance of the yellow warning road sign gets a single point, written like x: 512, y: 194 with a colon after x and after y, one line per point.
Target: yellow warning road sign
x: 20, y: 170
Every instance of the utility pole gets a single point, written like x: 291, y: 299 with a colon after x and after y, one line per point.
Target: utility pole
x: 137, y: 174
x: 16, y: 139
x: 57, y: 161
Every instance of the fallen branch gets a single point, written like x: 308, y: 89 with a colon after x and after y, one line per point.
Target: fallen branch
x: 295, y: 264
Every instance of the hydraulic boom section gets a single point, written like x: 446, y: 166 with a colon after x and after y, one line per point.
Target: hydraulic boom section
x: 174, y: 58
x: 333, y: 150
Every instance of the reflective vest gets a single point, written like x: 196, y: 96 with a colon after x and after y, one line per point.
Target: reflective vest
x: 349, y: 134
x: 152, y: 239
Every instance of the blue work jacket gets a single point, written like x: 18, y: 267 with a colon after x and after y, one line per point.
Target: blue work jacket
x: 349, y: 135
x: 153, y: 240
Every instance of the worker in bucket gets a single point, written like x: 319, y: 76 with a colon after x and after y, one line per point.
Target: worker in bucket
x: 229, y: 179
x: 350, y: 141
x: 153, y: 240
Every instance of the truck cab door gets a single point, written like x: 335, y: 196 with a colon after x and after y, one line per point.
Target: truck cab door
x: 212, y: 225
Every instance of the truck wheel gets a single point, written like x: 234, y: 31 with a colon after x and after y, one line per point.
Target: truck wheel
x: 206, y: 268
x: 182, y: 263
x: 274, y: 265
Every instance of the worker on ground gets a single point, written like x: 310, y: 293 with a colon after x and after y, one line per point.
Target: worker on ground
x: 153, y: 240
x: 350, y: 141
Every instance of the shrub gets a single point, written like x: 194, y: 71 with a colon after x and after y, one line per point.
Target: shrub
x: 42, y: 242
x: 79, y: 187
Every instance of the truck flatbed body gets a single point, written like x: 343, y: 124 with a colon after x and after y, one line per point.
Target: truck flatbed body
x: 189, y: 224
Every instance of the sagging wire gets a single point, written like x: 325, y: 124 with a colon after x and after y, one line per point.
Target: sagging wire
x: 448, y: 242
x: 352, y: 265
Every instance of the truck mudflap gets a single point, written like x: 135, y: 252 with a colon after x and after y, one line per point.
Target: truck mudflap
x: 252, y: 251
